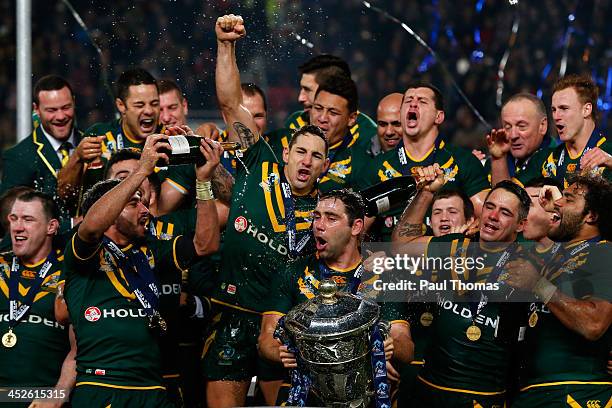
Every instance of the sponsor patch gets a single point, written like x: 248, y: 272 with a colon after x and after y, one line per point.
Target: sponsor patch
x: 92, y: 314
x: 231, y: 289
x: 241, y: 224
x: 99, y: 371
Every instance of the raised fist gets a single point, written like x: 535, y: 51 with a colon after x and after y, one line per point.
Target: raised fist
x: 229, y: 28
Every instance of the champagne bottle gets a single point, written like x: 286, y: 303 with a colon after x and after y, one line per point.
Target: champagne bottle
x: 186, y: 150
x: 388, y: 195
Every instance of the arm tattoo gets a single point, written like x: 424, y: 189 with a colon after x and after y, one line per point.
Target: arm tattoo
x: 409, y: 230
x: 222, y: 184
x: 247, y: 138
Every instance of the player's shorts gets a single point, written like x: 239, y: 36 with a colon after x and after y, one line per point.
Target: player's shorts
x: 428, y: 396
x: 569, y: 395
x: 174, y: 390
x: 88, y: 396
x: 270, y: 371
x: 230, y: 351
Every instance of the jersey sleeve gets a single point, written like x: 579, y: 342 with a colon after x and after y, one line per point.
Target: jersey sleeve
x: 255, y: 155
x: 472, y: 174
x: 175, y: 255
x: 16, y: 170
x: 182, y: 177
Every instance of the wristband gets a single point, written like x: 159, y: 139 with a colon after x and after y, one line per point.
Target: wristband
x: 204, y: 190
x: 544, y: 290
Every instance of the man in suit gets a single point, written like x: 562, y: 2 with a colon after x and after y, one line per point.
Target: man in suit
x: 36, y: 160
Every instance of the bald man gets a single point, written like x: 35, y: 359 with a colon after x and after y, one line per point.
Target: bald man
x: 389, y: 127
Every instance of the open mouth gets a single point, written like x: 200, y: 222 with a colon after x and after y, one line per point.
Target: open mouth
x: 392, y: 140
x: 560, y: 128
x: 320, y: 243
x: 303, y: 175
x: 445, y: 228
x: 412, y: 118
x: 147, y: 124
x: 489, y: 228
x: 555, y: 218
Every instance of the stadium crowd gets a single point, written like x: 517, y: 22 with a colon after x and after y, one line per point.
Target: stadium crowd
x: 126, y: 282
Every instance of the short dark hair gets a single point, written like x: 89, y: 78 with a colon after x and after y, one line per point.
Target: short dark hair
x: 7, y: 199
x: 353, y: 203
x: 597, y: 200
x: 542, y: 181
x: 96, y: 192
x: 119, y: 156
x: 519, y: 192
x: 342, y: 86
x: 584, y: 86
x: 525, y: 96
x: 168, y: 85
x: 322, y: 61
x: 311, y: 130
x: 250, y: 89
x: 131, y: 77
x: 468, y: 206
x: 48, y: 204
x: 438, y: 98
x: 50, y: 83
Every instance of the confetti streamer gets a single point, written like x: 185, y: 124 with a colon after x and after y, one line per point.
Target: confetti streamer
x: 501, y: 70
x: 80, y: 21
x: 422, y: 42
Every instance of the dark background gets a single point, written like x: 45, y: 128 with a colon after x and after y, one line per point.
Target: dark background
x: 175, y: 39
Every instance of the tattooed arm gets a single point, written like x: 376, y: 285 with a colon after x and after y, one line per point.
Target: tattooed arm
x: 410, y: 229
x: 222, y: 184
x: 241, y: 125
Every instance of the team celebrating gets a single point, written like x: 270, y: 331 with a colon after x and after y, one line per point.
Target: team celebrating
x: 127, y: 283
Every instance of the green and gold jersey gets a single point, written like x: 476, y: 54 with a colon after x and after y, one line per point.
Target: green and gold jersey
x: 555, y: 354
x: 116, y: 348
x: 256, y: 244
x: 521, y: 169
x: 300, y: 283
x: 461, y: 169
x: 116, y: 139
x: 364, y: 125
x: 557, y: 163
x: 42, y: 343
x: 453, y: 361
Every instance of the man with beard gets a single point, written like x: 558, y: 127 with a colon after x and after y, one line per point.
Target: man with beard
x: 568, y: 338
x: 36, y: 161
x: 338, y: 229
x: 112, y: 289
x: 466, y: 340
x: 137, y: 100
x: 36, y: 350
x: 270, y: 215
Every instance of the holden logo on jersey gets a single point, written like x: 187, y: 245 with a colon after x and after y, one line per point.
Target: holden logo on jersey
x: 92, y: 314
x: 241, y: 224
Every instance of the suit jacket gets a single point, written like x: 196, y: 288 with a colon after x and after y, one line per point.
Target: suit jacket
x: 32, y: 162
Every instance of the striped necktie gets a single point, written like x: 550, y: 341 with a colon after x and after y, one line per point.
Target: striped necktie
x: 65, y: 152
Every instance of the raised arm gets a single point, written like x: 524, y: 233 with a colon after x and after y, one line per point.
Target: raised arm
x: 410, y: 227
x: 241, y: 126
x: 105, y: 211
x: 499, y: 148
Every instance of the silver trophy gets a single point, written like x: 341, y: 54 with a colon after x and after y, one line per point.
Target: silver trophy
x: 332, y: 335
